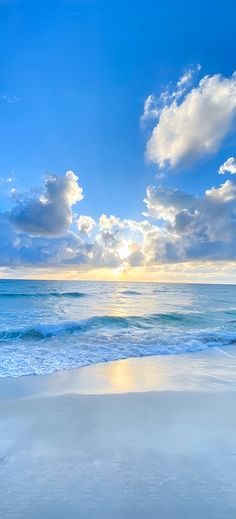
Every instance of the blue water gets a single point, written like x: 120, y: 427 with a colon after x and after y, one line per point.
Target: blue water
x: 52, y: 325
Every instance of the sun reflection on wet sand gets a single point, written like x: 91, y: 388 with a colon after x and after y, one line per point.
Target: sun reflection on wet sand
x: 191, y: 372
x: 124, y: 377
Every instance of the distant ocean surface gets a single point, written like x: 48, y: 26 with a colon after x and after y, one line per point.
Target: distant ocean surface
x: 52, y: 325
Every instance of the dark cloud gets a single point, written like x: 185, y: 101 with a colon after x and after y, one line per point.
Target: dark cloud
x: 50, y: 213
x: 194, y: 227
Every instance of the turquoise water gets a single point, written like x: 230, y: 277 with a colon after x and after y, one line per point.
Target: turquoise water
x: 52, y: 325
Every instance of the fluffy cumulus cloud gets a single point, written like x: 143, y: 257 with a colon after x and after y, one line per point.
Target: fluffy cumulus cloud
x: 177, y: 227
x: 85, y: 225
x: 229, y: 166
x: 195, y: 228
x: 154, y: 105
x: 50, y: 212
x: 109, y: 222
x: 164, y: 203
x: 191, y: 125
x: 225, y: 193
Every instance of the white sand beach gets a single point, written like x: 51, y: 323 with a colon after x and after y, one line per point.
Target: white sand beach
x: 143, y: 438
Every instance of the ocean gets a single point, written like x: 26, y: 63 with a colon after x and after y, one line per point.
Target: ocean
x: 47, y: 326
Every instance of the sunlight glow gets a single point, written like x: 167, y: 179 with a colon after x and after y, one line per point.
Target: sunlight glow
x: 124, y: 250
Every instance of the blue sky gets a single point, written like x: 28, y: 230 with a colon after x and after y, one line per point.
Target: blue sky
x: 74, y: 79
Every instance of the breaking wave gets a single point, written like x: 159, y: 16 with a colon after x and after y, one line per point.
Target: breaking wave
x: 41, y: 331
x: 56, y: 351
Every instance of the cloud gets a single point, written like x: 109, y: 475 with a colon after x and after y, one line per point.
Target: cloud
x: 50, y: 213
x: 196, y: 125
x: 229, y: 166
x: 186, y: 79
x: 22, y: 249
x: 194, y: 228
x: 150, y: 110
x: 109, y: 222
x: 179, y: 227
x: 85, y: 225
x: 164, y: 203
x: 225, y: 193
x: 153, y: 105
x: 6, y: 180
x: 42, y: 231
x: 10, y: 99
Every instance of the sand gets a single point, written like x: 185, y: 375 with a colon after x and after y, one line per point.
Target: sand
x: 169, y: 452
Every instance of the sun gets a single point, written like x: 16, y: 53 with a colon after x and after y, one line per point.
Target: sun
x: 124, y: 250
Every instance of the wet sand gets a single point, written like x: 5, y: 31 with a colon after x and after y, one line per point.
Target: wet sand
x: 120, y: 453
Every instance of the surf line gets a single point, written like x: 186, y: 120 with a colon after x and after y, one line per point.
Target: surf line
x: 224, y: 352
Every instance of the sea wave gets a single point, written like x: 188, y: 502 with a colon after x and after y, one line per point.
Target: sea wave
x: 20, y: 358
x: 41, y: 331
x: 43, y: 294
x: 131, y: 293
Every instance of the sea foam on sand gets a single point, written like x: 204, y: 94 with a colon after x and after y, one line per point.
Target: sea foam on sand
x: 165, y: 453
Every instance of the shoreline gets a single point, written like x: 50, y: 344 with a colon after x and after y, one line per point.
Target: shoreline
x: 209, y: 370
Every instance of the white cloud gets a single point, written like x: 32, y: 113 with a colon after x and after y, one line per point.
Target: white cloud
x: 197, y: 125
x: 10, y: 99
x: 186, y: 78
x: 14, y: 193
x: 178, y: 227
x: 150, y: 110
x: 50, y: 213
x: 164, y: 203
x: 85, y: 224
x: 6, y: 180
x: 109, y: 222
x: 225, y: 193
x: 229, y: 166
x: 153, y: 105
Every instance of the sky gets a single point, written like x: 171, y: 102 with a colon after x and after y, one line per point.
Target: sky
x: 118, y: 140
